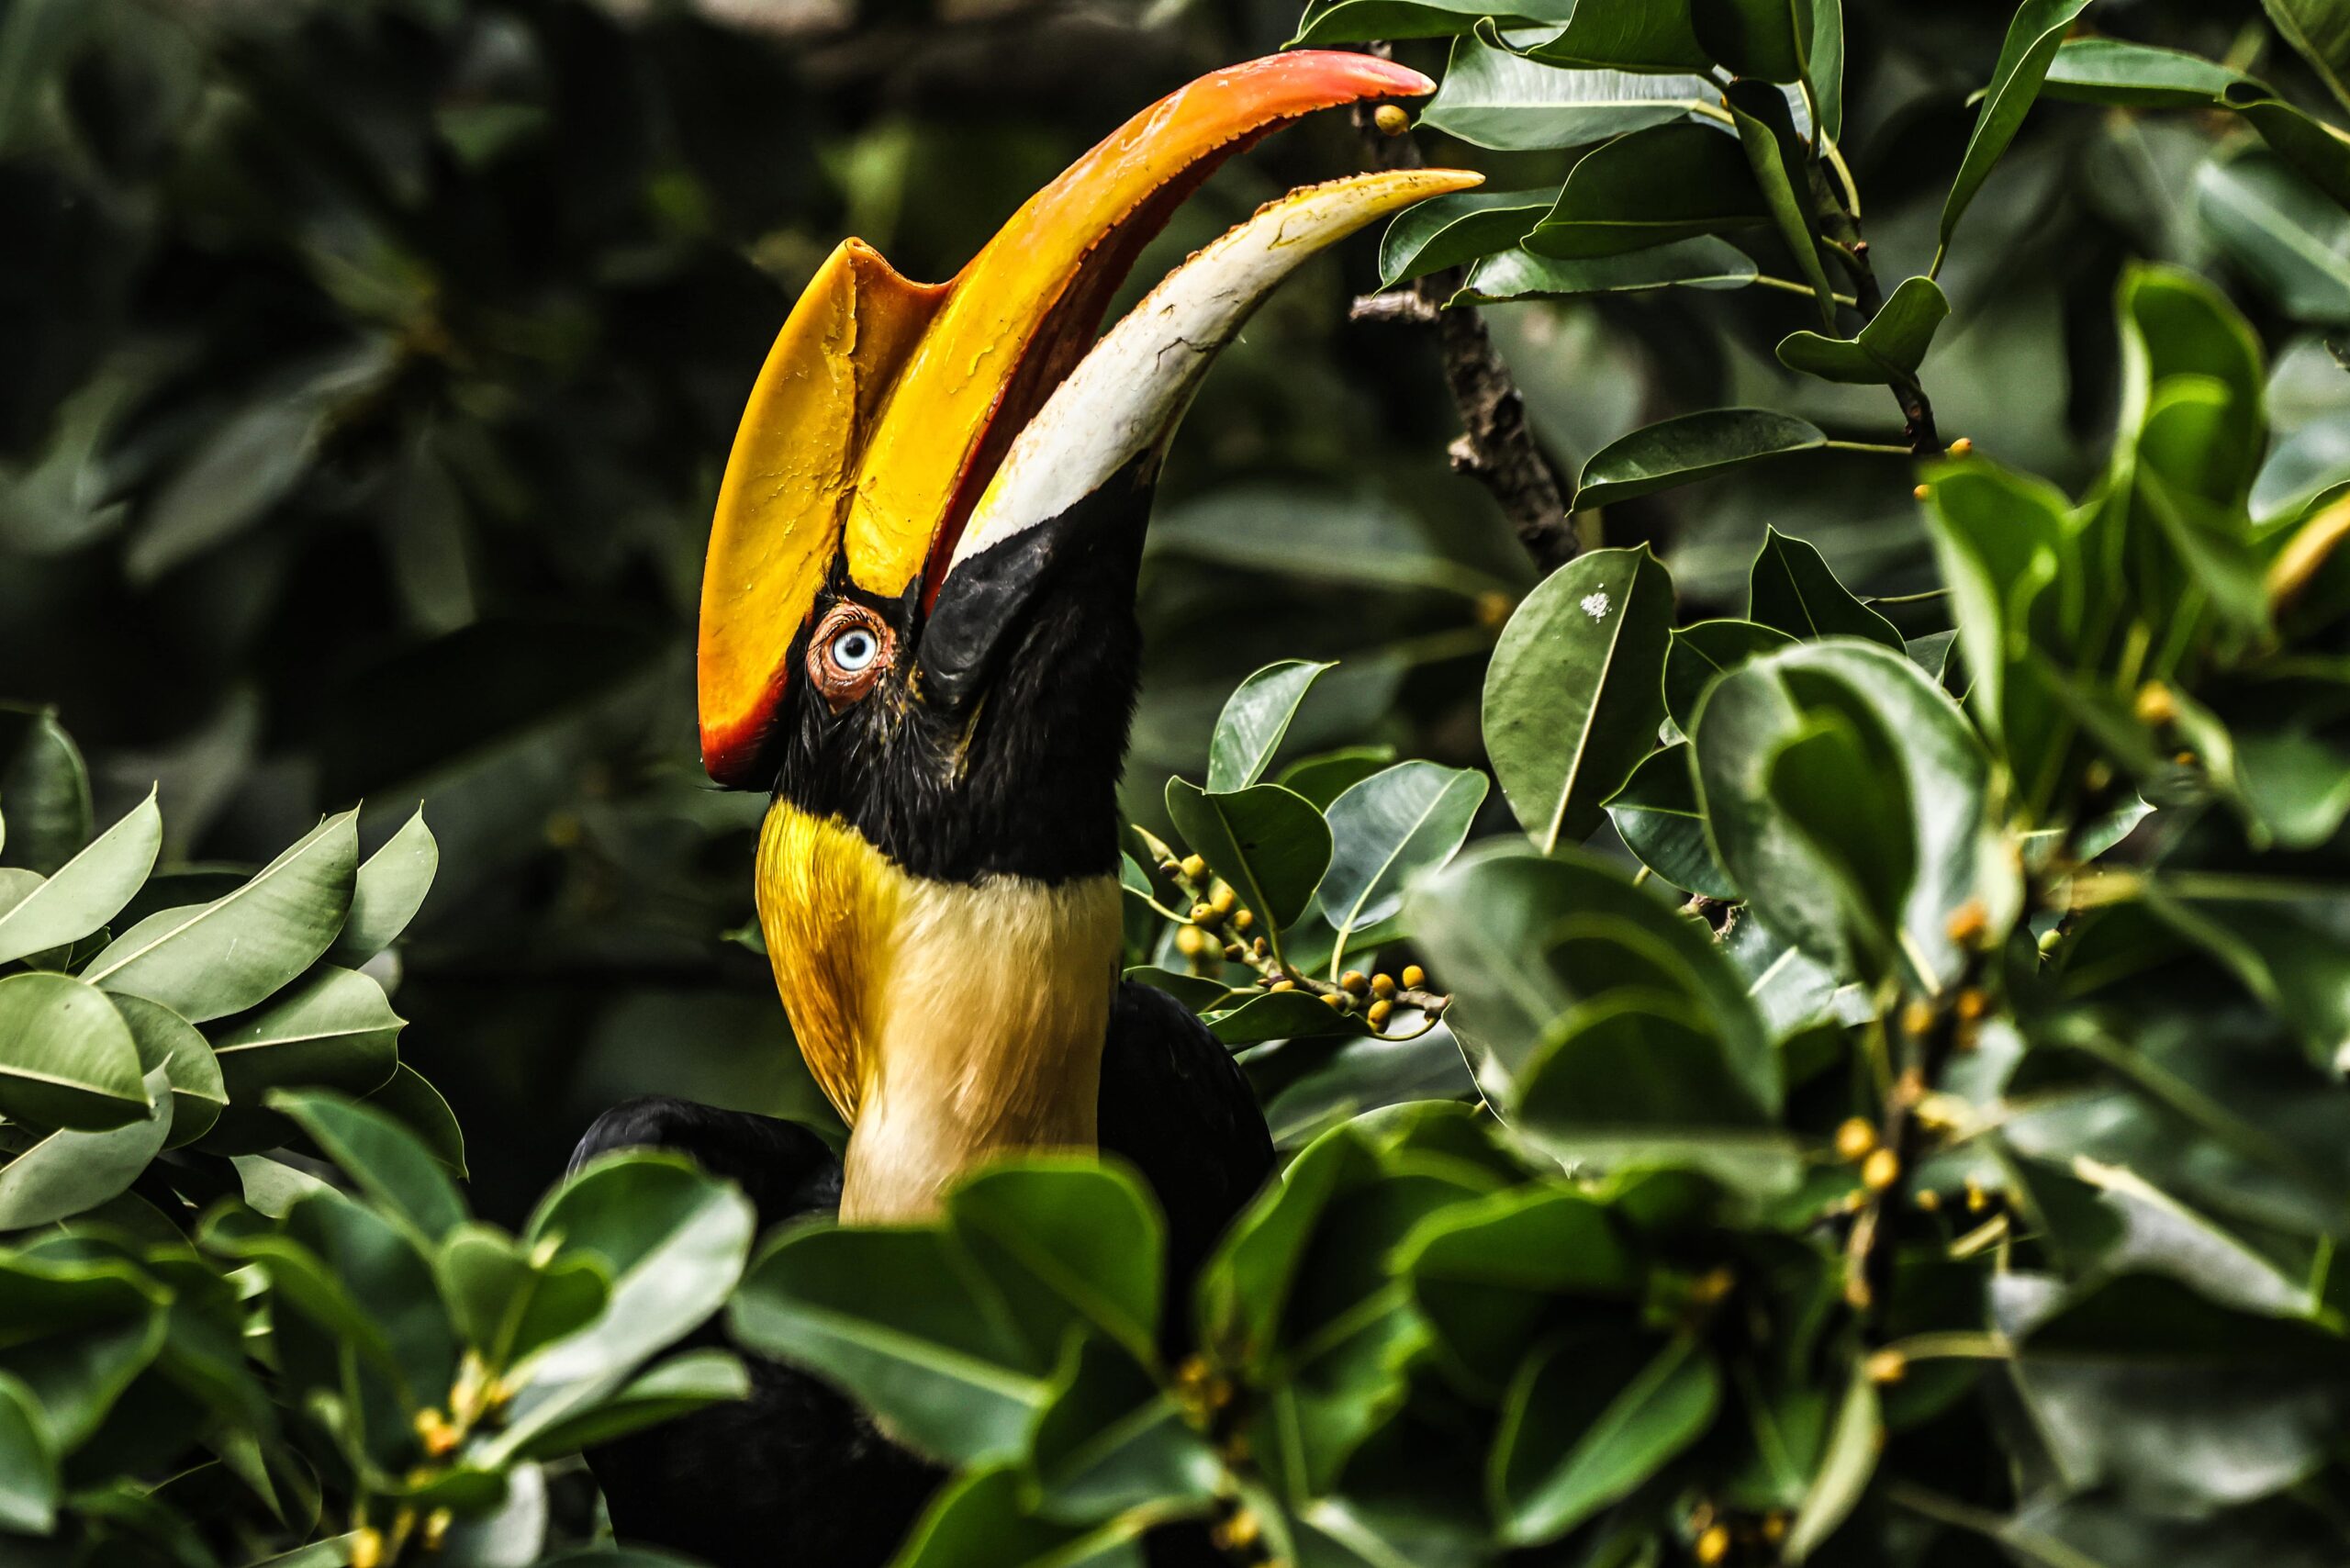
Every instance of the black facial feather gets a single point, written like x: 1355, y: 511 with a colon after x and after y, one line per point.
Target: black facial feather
x: 1002, y: 755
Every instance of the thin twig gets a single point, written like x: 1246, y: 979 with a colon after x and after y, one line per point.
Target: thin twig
x: 1497, y: 446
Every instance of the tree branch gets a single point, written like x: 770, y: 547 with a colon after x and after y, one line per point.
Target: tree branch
x: 1850, y: 250
x: 1496, y: 447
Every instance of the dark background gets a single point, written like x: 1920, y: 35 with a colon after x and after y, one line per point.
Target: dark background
x: 370, y: 364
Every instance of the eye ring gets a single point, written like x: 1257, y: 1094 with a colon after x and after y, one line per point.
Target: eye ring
x: 848, y: 653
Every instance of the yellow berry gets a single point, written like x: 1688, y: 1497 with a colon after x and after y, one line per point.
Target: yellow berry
x: 1972, y: 1004
x: 1886, y: 1366
x: 1204, y: 915
x: 1191, y: 941
x: 436, y: 1529
x: 1774, y: 1528
x: 1712, y: 1286
x: 1918, y: 1018
x: 1194, y: 867
x: 1354, y: 982
x: 1222, y: 898
x: 1284, y: 985
x: 1234, y: 951
x: 1856, y: 1139
x: 1880, y: 1170
x: 1414, y: 977
x: 1378, y: 1012
x: 1713, y: 1545
x: 1926, y: 1198
x: 1332, y: 999
x: 1382, y: 986
x: 2155, y: 705
x: 1390, y: 120
x: 1961, y: 446
x: 1969, y: 921
x: 367, y: 1547
x: 1978, y: 1200
x: 432, y: 1429
x: 1242, y: 919
x: 1922, y: 491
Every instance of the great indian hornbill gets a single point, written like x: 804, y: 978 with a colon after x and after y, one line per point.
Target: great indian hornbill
x: 918, y: 632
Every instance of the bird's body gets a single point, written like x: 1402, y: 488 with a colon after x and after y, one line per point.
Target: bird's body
x: 796, y: 1474
x: 918, y: 635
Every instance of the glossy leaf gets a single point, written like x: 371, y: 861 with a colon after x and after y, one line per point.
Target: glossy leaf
x: 1268, y: 843
x: 1570, y: 1444
x: 1769, y: 40
x: 1359, y: 21
x: 1492, y: 98
x: 1693, y: 447
x: 2138, y: 75
x: 1706, y: 263
x: 1254, y: 719
x: 1670, y: 182
x: 1779, y: 158
x: 1657, y: 816
x: 67, y: 1172
x: 1455, y: 229
x: 166, y: 1039
x: 1323, y: 778
x: 2319, y: 31
x: 1700, y: 653
x: 1889, y: 348
x: 67, y: 1059
x: 334, y: 1030
x: 984, y: 1520
x: 87, y: 890
x: 2289, y: 235
x: 387, y: 891
x: 209, y: 959
x: 386, y: 1161
x: 45, y: 792
x: 28, y: 1469
x: 1629, y: 35
x: 1388, y: 829
x: 684, y: 1383
x: 1790, y: 588
x: 1573, y: 697
x: 2033, y: 37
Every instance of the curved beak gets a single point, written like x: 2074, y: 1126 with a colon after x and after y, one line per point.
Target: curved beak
x: 1089, y: 458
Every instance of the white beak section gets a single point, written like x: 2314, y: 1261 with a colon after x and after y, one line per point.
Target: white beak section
x: 1125, y: 397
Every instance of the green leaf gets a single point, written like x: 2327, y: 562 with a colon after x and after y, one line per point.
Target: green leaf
x: 1705, y: 263
x: 409, y: 1098
x: 2319, y: 31
x: 1110, y: 1438
x: 505, y: 1303
x: 205, y: 960
x: 1323, y: 778
x: 1268, y: 843
x: 1571, y: 1443
x: 67, y: 1172
x: 1254, y: 719
x: 29, y: 1488
x: 1670, y: 181
x: 1656, y: 813
x: 1766, y: 39
x: 1780, y: 162
x: 1325, y: 533
x: 1492, y: 98
x: 671, y: 1239
x: 382, y: 1157
x: 1934, y: 763
x: 1573, y: 696
x: 2287, y: 234
x: 87, y: 890
x: 387, y: 891
x: 2033, y: 37
x: 1826, y: 67
x: 953, y: 1332
x: 1455, y: 229
x: 45, y: 790
x: 1479, y: 917
x: 1697, y: 654
x: 67, y: 1059
x: 1280, y: 1015
x: 1629, y: 35
x: 984, y: 1520
x: 334, y: 1030
x: 1361, y: 21
x: 2137, y: 75
x: 1845, y: 1467
x: 686, y: 1383
x: 1888, y: 350
x: 166, y: 1041
x: 79, y: 1332
x: 1638, y: 1075
x: 1389, y: 828
x: 1486, y: 1275
x: 1684, y: 450
x: 1790, y: 588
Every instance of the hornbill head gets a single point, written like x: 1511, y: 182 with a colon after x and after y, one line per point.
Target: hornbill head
x: 918, y: 625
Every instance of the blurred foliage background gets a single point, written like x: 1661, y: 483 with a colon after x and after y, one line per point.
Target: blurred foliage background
x: 372, y: 363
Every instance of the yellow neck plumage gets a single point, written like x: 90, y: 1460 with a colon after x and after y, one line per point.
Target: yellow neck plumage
x: 948, y: 1023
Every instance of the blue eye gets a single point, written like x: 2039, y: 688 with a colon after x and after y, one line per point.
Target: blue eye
x: 855, y: 649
